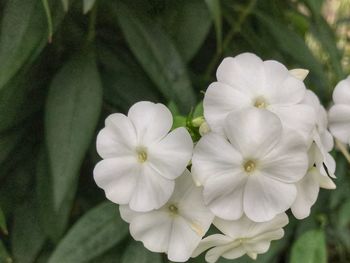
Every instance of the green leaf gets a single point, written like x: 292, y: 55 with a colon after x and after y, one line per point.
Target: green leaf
x: 215, y: 11
x: 344, y: 215
x: 310, y: 248
x: 124, y: 81
x: 65, y: 4
x: 158, y: 56
x: 179, y: 21
x: 27, y: 237
x: 3, y: 226
x: 52, y: 220
x: 72, y: 111
x: 136, y: 252
x: 23, y: 35
x: 94, y: 233
x: 87, y: 5
x: 4, y: 255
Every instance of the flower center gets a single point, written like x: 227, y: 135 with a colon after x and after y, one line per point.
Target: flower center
x: 249, y: 166
x: 173, y: 209
x: 141, y: 154
x: 260, y: 103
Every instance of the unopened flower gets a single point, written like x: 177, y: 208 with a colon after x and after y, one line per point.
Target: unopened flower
x: 177, y: 227
x: 141, y: 160
x: 241, y: 237
x: 339, y: 113
x: 254, y: 171
x: 246, y: 81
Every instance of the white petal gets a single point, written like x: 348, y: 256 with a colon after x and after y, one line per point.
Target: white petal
x: 118, y: 178
x: 287, y: 162
x: 244, y: 72
x: 213, y: 154
x: 211, y: 241
x: 246, y: 228
x: 282, y: 87
x: 261, y: 244
x: 339, y: 122
x: 265, y: 197
x: 171, y: 155
x: 219, y: 100
x: 118, y: 138
x: 224, y: 194
x: 153, y: 229
x: 341, y: 93
x: 325, y: 182
x: 327, y: 140
x: 298, y: 117
x: 183, y: 240
x: 151, y: 121
x: 127, y: 214
x: 230, y: 251
x: 253, y: 132
x: 152, y: 190
x: 299, y: 73
x: 307, y: 189
x: 189, y: 201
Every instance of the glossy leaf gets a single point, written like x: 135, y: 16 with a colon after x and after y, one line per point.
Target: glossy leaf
x: 158, y: 56
x: 72, y: 110
x: 310, y: 247
x: 97, y: 231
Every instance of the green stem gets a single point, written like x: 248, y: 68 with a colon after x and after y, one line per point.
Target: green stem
x: 343, y: 149
x: 233, y: 31
x: 48, y: 18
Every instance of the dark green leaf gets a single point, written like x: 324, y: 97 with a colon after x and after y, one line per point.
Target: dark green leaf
x: 310, y: 248
x: 72, y: 111
x: 23, y: 35
x: 97, y: 231
x: 27, y: 237
x: 3, y: 225
x: 136, y: 252
x: 180, y: 22
x: 4, y: 255
x: 158, y: 57
x: 52, y: 220
x: 344, y: 215
x: 124, y: 82
x: 215, y: 11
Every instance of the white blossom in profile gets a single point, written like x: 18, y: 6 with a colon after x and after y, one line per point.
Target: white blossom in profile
x: 339, y: 113
x: 254, y: 170
x: 246, y: 81
x: 241, y: 237
x: 141, y: 159
x: 177, y: 227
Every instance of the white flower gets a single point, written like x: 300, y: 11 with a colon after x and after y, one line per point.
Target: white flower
x: 177, y: 227
x: 246, y: 81
x: 339, y: 114
x: 241, y: 237
x: 308, y: 189
x: 254, y: 171
x: 141, y: 160
x: 321, y: 137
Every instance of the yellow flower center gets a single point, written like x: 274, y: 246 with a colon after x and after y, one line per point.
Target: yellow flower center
x: 173, y: 209
x: 249, y: 166
x: 260, y: 103
x: 141, y: 154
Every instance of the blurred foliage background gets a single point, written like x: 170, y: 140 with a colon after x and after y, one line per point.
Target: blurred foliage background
x: 65, y: 65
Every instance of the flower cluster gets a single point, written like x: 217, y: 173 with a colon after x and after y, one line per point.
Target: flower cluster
x: 264, y: 149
